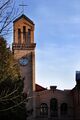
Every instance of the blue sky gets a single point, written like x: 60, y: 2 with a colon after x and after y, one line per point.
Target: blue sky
x: 57, y: 34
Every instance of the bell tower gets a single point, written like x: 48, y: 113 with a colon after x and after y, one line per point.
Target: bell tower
x: 23, y: 39
x: 24, y: 51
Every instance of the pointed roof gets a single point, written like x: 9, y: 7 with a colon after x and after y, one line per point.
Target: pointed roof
x: 25, y: 17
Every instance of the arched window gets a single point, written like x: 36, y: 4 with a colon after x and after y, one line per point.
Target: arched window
x: 64, y: 109
x: 43, y: 109
x: 53, y: 107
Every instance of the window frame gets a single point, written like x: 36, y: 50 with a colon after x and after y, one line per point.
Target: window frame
x: 43, y: 109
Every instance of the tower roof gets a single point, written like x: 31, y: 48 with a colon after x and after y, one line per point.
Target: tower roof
x: 25, y: 17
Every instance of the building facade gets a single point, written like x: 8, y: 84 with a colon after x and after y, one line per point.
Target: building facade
x: 54, y: 104
x: 43, y: 104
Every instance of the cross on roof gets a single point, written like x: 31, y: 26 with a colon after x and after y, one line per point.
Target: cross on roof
x: 23, y: 5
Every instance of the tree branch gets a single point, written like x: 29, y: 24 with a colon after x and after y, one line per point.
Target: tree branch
x: 6, y: 3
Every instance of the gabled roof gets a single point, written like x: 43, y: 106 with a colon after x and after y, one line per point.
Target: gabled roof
x: 25, y: 17
x: 39, y: 88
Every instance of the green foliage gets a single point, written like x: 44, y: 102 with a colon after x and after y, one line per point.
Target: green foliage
x: 7, y: 65
x: 12, y: 101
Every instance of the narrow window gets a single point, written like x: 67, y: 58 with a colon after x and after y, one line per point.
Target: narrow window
x: 53, y: 107
x: 29, y: 36
x: 19, y: 35
x: 24, y: 34
x: 43, y: 109
x: 29, y: 32
x: 64, y: 109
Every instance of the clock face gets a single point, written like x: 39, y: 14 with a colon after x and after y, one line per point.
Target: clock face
x: 23, y: 61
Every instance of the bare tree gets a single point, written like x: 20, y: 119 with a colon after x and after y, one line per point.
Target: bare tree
x: 12, y: 99
x: 8, y: 13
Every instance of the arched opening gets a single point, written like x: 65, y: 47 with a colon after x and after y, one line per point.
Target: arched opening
x: 53, y: 107
x: 44, y: 109
x: 64, y: 109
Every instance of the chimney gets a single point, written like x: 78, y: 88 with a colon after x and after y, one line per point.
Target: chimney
x: 78, y: 77
x: 53, y: 87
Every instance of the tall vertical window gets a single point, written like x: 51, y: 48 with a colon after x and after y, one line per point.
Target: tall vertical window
x: 24, y: 33
x: 29, y: 35
x: 29, y: 32
x: 19, y: 35
x: 64, y: 109
x: 44, y: 109
x: 53, y: 107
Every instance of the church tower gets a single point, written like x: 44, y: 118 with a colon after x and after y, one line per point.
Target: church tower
x: 24, y: 51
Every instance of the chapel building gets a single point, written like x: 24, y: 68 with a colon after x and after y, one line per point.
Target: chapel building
x: 44, y: 104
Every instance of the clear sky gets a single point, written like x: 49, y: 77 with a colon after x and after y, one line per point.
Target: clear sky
x: 57, y: 34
